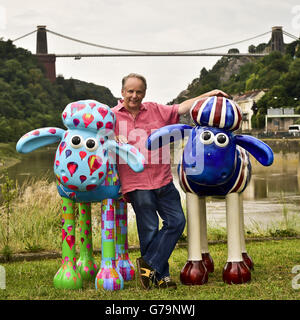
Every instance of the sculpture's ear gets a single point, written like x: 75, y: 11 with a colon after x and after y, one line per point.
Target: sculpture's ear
x: 260, y: 150
x: 39, y: 138
x: 128, y: 153
x: 166, y: 135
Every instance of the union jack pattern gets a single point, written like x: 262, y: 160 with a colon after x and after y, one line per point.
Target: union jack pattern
x: 216, y: 112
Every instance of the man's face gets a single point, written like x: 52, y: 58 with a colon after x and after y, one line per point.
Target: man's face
x: 133, y: 93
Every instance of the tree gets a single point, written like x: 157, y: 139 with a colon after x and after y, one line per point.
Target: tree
x: 252, y: 49
x: 234, y: 51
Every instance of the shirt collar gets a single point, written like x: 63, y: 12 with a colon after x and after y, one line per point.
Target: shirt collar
x: 120, y: 106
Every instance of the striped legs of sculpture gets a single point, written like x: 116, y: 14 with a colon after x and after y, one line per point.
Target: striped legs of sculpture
x: 108, y: 277
x: 86, y: 263
x: 68, y: 276
x: 124, y: 264
x: 115, y: 264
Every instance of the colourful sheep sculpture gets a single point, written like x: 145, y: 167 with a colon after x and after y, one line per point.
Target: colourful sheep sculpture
x: 85, y: 168
x: 214, y: 163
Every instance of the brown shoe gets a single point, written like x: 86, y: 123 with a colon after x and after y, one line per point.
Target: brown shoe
x: 145, y: 272
x: 166, y: 283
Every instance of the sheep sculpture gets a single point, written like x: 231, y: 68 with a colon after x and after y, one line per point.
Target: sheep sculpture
x: 85, y: 168
x: 215, y: 162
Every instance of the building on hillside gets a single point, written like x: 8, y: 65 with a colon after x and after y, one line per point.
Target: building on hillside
x: 247, y: 103
x: 279, y: 119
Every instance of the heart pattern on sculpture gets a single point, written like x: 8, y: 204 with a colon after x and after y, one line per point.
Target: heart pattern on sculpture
x: 82, y: 154
x: 72, y: 167
x: 87, y: 119
x: 71, y: 241
x: 64, y: 234
x: 94, y: 162
x: 103, y: 112
x: 62, y: 147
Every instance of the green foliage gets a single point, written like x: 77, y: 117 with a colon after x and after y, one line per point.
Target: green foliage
x: 278, y: 74
x: 8, y: 193
x: 28, y: 100
x: 281, y: 233
x: 259, y: 49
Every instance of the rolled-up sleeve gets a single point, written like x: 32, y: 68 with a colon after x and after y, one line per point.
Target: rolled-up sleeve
x: 168, y: 113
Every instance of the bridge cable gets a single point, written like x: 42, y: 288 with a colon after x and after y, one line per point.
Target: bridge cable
x: 25, y: 35
x: 152, y: 52
x: 226, y: 45
x: 290, y: 35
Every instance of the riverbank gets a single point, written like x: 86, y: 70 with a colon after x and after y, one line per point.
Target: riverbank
x: 8, y: 155
x: 284, y: 145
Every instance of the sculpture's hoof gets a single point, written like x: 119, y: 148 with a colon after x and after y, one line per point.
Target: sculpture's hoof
x: 109, y: 279
x: 67, y: 277
x: 87, y: 268
x: 126, y: 268
x: 208, y: 262
x: 236, y: 273
x: 247, y: 259
x: 194, y: 273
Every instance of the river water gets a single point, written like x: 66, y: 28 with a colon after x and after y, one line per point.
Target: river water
x: 272, y: 193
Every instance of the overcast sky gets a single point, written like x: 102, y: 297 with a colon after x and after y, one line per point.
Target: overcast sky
x: 149, y: 25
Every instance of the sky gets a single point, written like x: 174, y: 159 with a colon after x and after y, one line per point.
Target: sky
x: 145, y: 25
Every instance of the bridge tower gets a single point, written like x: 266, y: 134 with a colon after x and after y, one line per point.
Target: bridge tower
x: 277, y: 43
x: 47, y: 60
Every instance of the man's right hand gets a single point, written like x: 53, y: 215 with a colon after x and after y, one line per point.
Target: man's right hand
x: 121, y: 139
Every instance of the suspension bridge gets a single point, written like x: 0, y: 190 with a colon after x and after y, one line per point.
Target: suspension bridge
x: 48, y: 60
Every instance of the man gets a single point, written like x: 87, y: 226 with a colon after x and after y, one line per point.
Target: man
x: 152, y: 191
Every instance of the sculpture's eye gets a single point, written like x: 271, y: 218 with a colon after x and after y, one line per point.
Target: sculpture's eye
x: 91, y: 144
x: 207, y: 137
x: 76, y: 142
x: 221, y: 140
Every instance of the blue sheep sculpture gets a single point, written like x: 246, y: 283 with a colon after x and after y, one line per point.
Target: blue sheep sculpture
x: 215, y: 162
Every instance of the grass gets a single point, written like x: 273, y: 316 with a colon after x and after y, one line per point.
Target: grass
x: 271, y: 279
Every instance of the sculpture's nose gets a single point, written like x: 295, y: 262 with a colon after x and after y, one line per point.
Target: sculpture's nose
x: 224, y: 175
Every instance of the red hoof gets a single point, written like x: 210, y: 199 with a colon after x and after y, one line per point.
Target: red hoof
x: 194, y: 273
x: 247, y: 259
x: 208, y: 262
x: 236, y: 273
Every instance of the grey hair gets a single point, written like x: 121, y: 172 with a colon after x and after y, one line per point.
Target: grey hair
x: 134, y: 75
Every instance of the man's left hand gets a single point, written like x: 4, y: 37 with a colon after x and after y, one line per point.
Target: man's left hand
x: 216, y: 92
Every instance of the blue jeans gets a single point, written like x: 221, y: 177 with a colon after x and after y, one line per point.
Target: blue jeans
x: 157, y: 245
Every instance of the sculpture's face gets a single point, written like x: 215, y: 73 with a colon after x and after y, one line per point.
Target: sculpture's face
x: 81, y: 161
x: 209, y: 156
